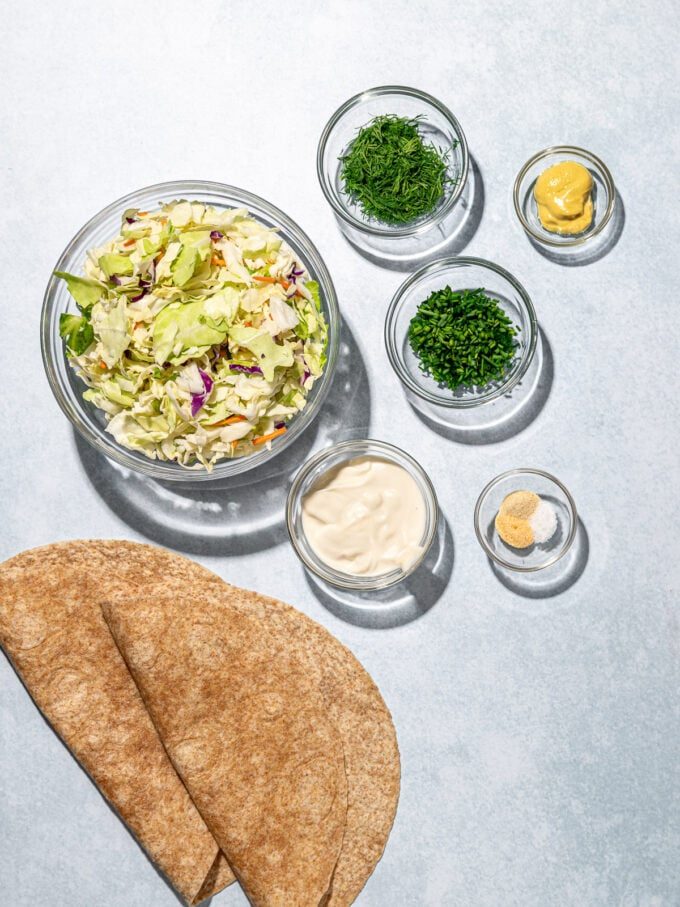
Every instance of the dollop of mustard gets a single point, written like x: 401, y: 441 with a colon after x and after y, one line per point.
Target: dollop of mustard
x: 563, y: 196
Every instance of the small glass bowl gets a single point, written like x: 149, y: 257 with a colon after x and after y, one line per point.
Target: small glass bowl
x: 438, y: 126
x: 330, y: 458
x: 537, y: 556
x: 604, y: 195
x: 68, y: 388
x: 460, y: 274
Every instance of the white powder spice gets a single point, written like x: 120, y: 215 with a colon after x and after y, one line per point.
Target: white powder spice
x: 543, y: 522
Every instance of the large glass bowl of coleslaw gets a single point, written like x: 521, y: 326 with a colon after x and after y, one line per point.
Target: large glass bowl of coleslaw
x: 190, y: 331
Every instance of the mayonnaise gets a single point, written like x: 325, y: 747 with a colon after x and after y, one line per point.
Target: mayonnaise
x: 366, y: 517
x: 563, y: 196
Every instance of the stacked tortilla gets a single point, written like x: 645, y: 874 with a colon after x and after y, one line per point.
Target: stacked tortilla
x: 234, y: 736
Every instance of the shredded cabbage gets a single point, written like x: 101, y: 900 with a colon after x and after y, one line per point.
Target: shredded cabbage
x: 200, y: 333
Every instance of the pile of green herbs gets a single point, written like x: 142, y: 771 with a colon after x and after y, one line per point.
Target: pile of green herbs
x: 462, y: 338
x: 392, y: 173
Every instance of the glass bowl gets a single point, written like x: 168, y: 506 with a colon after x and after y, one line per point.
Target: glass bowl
x: 604, y: 195
x: 68, y: 388
x: 437, y: 126
x: 537, y: 556
x: 316, y: 467
x: 460, y: 274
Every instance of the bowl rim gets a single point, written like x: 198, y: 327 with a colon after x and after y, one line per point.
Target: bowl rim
x: 606, y: 177
x: 362, y: 446
x: 521, y: 471
x: 170, y: 471
x: 396, y: 360
x: 390, y: 232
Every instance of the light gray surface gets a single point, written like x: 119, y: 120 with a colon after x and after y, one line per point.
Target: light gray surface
x: 539, y: 737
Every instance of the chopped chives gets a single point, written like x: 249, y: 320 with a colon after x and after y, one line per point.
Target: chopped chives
x: 462, y: 338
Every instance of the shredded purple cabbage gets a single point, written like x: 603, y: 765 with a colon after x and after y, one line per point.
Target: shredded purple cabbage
x: 115, y: 279
x: 279, y: 425
x: 207, y: 380
x: 307, y: 374
x: 215, y: 235
x: 294, y: 274
x: 248, y: 369
x: 197, y: 400
x: 146, y: 283
x: 131, y: 220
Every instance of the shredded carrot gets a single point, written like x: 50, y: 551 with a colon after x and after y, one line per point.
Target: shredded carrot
x: 102, y: 365
x: 129, y: 242
x: 138, y: 324
x: 142, y: 213
x: 279, y: 280
x: 228, y: 421
x: 247, y: 324
x: 272, y: 434
x: 218, y: 260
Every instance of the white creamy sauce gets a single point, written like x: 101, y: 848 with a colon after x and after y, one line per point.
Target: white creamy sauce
x: 365, y: 517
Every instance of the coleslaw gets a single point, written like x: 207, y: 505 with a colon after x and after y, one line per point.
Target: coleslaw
x: 199, y: 333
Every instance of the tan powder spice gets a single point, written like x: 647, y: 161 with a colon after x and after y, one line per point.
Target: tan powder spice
x: 520, y: 504
x: 512, y: 519
x: 514, y: 531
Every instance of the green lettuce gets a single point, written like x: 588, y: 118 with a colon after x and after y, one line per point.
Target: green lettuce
x: 110, y: 325
x: 313, y: 288
x: 111, y: 263
x: 114, y: 392
x: 261, y: 344
x: 85, y: 291
x: 184, y: 265
x: 77, y: 331
x: 183, y: 329
x: 223, y: 306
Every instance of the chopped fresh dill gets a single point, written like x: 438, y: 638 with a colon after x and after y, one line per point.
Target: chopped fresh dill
x: 392, y: 173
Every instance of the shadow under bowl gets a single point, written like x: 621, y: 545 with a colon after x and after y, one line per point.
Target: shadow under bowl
x: 240, y: 514
x: 401, y: 603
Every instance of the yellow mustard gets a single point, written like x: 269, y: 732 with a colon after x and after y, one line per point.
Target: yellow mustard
x: 563, y: 195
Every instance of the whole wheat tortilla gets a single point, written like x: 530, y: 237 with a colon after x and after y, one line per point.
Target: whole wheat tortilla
x: 52, y: 629
x: 248, y: 734
x: 34, y: 582
x: 359, y: 713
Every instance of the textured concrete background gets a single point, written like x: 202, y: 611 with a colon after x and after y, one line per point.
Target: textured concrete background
x: 539, y: 736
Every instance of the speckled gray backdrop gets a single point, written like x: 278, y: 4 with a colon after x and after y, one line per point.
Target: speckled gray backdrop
x: 539, y: 736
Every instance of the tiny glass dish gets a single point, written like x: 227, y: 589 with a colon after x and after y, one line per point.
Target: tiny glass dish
x: 458, y: 274
x: 536, y: 556
x: 603, y: 196
x: 437, y: 126
x: 313, y: 471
